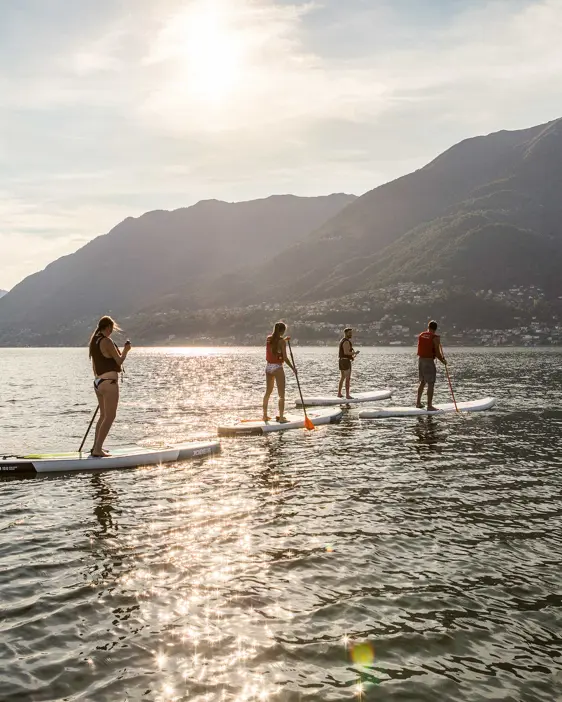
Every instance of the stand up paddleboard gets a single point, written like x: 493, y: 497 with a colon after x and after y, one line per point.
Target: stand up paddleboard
x: 358, y: 397
x: 296, y: 421
x: 128, y: 457
x: 472, y: 406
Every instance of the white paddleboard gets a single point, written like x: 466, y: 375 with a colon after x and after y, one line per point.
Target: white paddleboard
x: 357, y: 397
x: 128, y: 457
x: 472, y: 406
x: 296, y: 421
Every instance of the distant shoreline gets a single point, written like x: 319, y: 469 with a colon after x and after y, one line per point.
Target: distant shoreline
x: 331, y: 345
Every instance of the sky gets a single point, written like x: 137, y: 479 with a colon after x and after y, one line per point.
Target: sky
x: 111, y: 108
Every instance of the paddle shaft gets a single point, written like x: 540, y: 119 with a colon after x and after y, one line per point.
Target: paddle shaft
x: 88, y: 429
x: 297, y: 377
x: 450, y: 384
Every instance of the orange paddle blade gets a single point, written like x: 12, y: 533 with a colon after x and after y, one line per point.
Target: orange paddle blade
x: 308, y: 424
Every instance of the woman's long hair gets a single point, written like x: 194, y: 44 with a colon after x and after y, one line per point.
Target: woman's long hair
x: 278, y: 331
x: 102, y: 324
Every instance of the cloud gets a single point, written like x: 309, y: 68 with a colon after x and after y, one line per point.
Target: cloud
x: 37, y: 228
x: 113, y: 107
x: 243, y: 66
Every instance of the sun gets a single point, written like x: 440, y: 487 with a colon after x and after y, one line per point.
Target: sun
x: 208, y: 49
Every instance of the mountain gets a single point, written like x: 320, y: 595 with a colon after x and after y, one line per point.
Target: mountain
x: 487, y: 213
x: 143, y: 258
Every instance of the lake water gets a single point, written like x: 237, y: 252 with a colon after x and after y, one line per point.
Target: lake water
x: 397, y: 559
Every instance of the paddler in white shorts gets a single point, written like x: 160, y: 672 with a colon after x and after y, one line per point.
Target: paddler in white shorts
x: 276, y: 357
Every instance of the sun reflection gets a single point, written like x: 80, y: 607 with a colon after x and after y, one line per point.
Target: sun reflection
x: 188, y: 564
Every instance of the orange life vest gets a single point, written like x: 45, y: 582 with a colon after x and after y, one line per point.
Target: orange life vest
x: 426, y: 348
x: 271, y: 357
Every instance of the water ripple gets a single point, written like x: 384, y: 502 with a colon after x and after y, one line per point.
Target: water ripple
x: 414, y: 560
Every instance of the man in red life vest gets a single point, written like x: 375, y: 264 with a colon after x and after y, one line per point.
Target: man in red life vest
x: 429, y: 348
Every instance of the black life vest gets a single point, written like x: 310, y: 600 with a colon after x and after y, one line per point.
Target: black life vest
x: 342, y: 354
x: 101, y: 363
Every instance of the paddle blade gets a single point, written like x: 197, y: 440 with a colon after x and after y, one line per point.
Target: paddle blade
x: 308, y: 424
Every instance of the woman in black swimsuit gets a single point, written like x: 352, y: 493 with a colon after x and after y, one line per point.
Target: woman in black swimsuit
x: 106, y: 362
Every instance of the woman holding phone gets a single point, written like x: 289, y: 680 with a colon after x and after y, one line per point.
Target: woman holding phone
x: 107, y: 362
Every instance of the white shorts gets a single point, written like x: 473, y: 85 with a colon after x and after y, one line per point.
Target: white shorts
x: 272, y: 368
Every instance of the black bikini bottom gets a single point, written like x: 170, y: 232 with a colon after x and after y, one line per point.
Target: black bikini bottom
x: 99, y: 381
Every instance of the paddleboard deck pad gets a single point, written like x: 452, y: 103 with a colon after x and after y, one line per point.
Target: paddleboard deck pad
x: 472, y: 406
x: 358, y: 397
x: 127, y: 457
x: 295, y: 421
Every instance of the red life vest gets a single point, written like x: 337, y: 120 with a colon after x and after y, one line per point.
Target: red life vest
x: 426, y: 348
x: 271, y: 357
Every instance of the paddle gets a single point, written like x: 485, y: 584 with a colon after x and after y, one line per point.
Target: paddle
x: 307, y: 422
x: 449, y: 379
x: 88, y: 429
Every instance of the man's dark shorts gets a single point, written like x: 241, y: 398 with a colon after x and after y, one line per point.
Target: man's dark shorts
x: 345, y: 364
x: 428, y: 372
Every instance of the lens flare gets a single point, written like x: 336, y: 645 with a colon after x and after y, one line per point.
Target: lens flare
x: 363, y: 654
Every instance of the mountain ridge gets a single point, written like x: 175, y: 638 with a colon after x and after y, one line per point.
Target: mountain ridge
x: 527, y: 177
x: 143, y: 258
x: 484, y: 214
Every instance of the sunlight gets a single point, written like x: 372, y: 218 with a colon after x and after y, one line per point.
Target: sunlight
x: 230, y: 64
x: 208, y: 50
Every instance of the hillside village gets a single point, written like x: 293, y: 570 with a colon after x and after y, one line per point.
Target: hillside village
x: 519, y: 316
x: 388, y: 316
x: 524, y: 320
x: 526, y: 325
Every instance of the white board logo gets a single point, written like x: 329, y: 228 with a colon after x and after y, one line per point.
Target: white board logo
x: 202, y: 451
